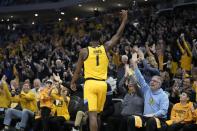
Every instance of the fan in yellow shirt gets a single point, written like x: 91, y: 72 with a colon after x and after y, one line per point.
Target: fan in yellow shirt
x: 47, y: 95
x: 47, y: 98
x: 186, y: 58
x: 181, y: 113
x: 192, y: 126
x: 27, y: 100
x: 61, y: 103
x: 5, y: 95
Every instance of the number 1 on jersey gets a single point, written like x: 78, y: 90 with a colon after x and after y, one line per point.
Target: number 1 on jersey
x: 97, y: 60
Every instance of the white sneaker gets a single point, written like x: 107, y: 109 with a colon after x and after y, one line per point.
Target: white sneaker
x: 73, y: 129
x: 17, y: 126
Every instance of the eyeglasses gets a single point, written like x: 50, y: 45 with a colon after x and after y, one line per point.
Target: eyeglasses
x: 186, y: 81
x: 155, y: 81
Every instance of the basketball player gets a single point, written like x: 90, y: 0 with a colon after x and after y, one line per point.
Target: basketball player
x: 95, y: 61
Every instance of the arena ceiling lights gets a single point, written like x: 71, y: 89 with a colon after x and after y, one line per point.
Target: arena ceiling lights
x: 51, y: 13
x: 62, y: 13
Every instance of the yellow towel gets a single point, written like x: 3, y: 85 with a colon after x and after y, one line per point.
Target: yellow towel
x: 158, y: 122
x: 169, y: 122
x: 13, y: 105
x: 131, y: 72
x: 138, y: 122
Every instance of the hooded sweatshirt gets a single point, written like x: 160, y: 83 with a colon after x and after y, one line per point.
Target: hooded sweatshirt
x: 155, y: 102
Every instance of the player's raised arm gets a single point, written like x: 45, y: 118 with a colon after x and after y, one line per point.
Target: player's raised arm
x: 117, y: 36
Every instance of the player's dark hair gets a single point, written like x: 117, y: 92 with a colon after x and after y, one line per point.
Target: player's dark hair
x: 95, y: 35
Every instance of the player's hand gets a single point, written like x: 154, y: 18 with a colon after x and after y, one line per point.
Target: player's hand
x: 124, y: 15
x: 73, y: 86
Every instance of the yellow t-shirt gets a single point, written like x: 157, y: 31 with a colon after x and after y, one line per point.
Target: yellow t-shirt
x: 186, y: 62
x: 45, y: 96
x: 161, y: 61
x: 116, y: 59
x: 96, y: 64
x: 174, y: 67
x: 62, y: 107
x: 26, y: 100
x: 182, y: 111
x: 5, y: 96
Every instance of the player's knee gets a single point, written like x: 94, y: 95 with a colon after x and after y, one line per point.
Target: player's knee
x: 93, y: 117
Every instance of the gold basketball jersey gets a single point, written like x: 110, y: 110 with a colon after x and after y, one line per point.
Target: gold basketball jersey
x: 96, y: 64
